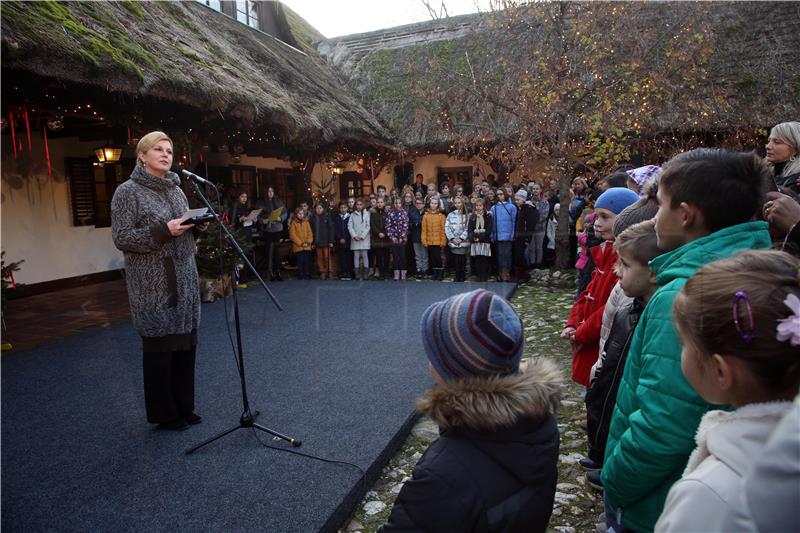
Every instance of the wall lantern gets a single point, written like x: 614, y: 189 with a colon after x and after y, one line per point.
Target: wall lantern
x: 337, y: 170
x: 108, y: 154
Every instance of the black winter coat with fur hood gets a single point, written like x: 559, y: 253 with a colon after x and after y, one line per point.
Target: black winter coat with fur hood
x: 494, y: 467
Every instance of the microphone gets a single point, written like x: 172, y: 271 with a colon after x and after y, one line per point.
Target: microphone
x: 197, y: 179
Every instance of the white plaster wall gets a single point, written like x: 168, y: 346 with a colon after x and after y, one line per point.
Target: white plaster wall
x: 36, y: 219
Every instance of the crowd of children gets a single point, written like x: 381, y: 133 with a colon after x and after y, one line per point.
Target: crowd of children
x: 702, y: 350
x: 687, y: 337
x: 495, y: 231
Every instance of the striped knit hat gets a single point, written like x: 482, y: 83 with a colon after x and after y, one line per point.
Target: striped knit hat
x: 474, y: 334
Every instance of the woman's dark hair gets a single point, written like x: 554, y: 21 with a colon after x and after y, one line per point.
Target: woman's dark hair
x: 615, y: 179
x: 727, y: 187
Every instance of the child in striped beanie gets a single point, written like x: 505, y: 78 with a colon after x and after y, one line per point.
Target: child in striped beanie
x: 494, y: 467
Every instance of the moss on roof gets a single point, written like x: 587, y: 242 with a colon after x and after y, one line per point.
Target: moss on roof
x: 185, y: 52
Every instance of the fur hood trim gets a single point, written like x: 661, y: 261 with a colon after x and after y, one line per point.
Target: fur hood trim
x: 485, y: 404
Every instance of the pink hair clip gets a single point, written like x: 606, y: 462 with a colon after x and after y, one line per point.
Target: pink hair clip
x: 747, y: 336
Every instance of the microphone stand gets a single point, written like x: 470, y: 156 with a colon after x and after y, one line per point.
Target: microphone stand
x: 248, y: 418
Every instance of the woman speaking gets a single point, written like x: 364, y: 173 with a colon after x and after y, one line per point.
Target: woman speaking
x: 161, y: 274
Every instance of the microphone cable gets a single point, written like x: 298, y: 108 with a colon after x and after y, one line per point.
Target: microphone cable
x: 362, y: 479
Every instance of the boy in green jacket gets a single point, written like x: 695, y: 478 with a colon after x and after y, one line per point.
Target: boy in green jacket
x: 708, y: 199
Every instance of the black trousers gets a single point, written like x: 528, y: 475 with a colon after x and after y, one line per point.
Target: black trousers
x: 459, y: 262
x: 481, y: 265
x: 381, y: 259
x: 435, y: 261
x: 399, y: 256
x: 410, y: 258
x: 168, y: 385
x: 345, y: 257
x: 272, y: 239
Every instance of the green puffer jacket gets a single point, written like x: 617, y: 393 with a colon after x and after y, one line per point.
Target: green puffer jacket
x: 657, y: 411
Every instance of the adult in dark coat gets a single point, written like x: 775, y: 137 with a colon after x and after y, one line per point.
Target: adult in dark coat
x: 525, y: 226
x: 494, y: 467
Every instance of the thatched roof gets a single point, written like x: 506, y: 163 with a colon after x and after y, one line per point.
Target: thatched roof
x: 186, y: 53
x: 753, y: 65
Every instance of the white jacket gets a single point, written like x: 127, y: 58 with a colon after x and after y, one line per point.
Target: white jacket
x: 455, y: 227
x: 712, y: 486
x: 358, y: 226
x: 772, y: 488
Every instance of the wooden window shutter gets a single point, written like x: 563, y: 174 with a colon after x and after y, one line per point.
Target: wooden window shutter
x: 80, y: 173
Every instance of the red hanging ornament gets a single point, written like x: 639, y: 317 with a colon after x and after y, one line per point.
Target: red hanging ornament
x: 13, y: 132
x: 47, y: 152
x: 27, y: 127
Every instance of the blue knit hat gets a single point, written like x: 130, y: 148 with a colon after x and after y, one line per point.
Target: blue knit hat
x: 616, y: 199
x: 474, y: 334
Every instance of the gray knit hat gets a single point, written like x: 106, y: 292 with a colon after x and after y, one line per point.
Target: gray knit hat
x: 639, y: 211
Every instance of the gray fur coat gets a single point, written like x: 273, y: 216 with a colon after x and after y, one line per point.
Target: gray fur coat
x: 160, y: 270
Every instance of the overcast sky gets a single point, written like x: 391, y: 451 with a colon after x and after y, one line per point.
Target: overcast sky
x: 342, y: 17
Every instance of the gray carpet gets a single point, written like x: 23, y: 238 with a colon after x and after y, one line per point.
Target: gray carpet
x: 339, y: 369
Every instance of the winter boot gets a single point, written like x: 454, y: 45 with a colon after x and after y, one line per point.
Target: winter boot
x: 402, y: 275
x: 397, y: 275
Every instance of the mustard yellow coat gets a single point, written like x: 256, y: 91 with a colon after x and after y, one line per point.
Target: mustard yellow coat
x: 299, y: 233
x: 433, y: 229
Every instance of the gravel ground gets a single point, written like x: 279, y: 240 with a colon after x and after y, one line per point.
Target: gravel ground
x: 544, y: 304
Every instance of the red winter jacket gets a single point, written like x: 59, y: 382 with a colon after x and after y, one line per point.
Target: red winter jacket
x: 587, y: 313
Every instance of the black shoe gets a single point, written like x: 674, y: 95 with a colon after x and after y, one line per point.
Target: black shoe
x: 593, y: 479
x: 178, y: 424
x: 193, y: 419
x: 588, y: 464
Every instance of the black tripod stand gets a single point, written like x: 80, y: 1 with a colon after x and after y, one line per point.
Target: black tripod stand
x: 248, y: 418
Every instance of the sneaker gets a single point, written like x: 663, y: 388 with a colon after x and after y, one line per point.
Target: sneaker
x: 588, y: 464
x: 593, y: 479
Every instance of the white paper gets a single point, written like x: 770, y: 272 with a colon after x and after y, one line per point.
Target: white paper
x: 192, y: 213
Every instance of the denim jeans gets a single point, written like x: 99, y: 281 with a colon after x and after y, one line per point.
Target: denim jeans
x: 504, y: 255
x: 421, y: 257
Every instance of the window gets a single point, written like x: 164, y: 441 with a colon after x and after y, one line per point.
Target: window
x: 245, y: 11
x: 80, y: 173
x: 91, y: 188
x: 243, y: 178
x: 455, y: 176
x: 286, y: 183
x: 355, y: 184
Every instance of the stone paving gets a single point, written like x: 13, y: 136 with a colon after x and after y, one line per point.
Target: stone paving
x: 44, y: 318
x: 543, y: 303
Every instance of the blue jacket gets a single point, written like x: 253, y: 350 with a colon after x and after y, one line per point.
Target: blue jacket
x: 504, y: 217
